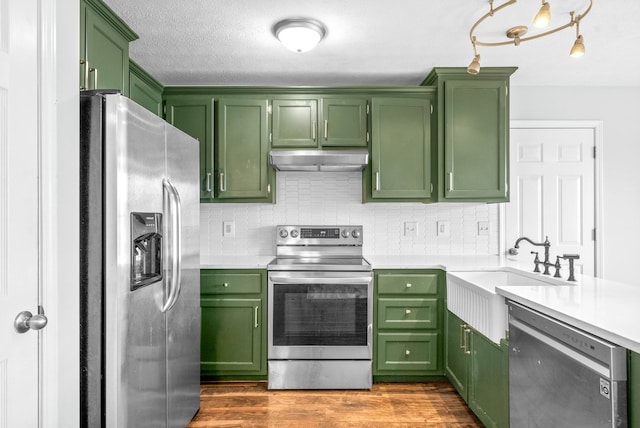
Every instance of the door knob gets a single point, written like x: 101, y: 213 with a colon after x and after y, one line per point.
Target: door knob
x: 26, y: 321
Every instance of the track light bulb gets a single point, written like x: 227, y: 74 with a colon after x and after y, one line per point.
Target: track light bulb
x: 543, y: 18
x: 474, y: 67
x: 578, y: 47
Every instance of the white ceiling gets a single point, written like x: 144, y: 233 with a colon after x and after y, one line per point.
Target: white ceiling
x: 374, y: 42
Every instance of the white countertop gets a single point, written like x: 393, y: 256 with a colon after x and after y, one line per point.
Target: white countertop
x: 608, y: 309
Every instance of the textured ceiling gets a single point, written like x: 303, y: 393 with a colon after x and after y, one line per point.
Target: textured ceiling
x: 373, y: 42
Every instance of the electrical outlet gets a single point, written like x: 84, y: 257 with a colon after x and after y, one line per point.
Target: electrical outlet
x: 229, y: 229
x: 483, y: 228
x: 444, y: 228
x: 411, y: 228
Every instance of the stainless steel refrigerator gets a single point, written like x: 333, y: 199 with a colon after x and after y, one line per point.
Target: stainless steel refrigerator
x: 140, y: 286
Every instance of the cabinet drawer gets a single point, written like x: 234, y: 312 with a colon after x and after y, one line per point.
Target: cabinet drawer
x: 407, y: 283
x: 407, y: 351
x: 230, y: 283
x: 407, y: 313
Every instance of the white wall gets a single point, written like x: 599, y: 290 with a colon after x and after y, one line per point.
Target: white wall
x: 619, y: 109
x: 335, y: 198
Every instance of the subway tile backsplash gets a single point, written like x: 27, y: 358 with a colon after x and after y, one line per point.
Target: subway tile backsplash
x: 326, y: 198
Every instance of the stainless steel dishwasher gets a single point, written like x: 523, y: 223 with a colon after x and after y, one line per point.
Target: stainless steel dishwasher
x: 560, y: 376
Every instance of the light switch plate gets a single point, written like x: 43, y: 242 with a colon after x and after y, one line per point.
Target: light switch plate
x: 483, y: 228
x: 444, y: 228
x: 411, y: 228
x: 228, y: 229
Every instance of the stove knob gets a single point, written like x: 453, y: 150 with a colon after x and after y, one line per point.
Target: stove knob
x: 294, y: 233
x: 345, y: 233
x: 283, y: 233
x: 356, y: 233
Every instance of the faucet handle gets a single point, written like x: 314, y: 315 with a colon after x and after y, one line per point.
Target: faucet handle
x: 557, y: 266
x: 536, y: 262
x: 570, y: 256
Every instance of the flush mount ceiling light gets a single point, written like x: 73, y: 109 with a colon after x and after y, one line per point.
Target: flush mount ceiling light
x: 299, y: 34
x: 515, y: 35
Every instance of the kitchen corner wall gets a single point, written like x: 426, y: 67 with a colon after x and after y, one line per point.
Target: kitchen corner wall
x: 327, y: 198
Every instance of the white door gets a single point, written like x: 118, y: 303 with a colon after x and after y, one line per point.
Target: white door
x: 553, y: 194
x: 19, y: 219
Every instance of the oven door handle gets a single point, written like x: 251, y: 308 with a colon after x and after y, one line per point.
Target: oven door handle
x: 321, y: 280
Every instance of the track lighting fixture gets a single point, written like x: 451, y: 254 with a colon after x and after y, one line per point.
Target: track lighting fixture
x: 516, y: 35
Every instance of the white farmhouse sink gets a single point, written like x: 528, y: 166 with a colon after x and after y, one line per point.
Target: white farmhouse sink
x: 472, y: 297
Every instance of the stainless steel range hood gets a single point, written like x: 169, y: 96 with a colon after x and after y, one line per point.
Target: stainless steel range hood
x: 319, y: 160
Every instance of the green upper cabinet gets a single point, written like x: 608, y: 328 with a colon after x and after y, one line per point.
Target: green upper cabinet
x: 104, y: 48
x: 473, y: 134
x: 193, y: 114
x: 242, y: 146
x: 401, y: 158
x: 144, y: 89
x: 343, y: 122
x: 302, y: 122
x: 295, y: 123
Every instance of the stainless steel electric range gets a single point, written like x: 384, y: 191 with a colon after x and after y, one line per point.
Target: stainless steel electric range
x: 320, y: 309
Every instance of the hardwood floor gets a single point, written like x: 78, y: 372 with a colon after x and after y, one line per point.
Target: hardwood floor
x: 389, y: 405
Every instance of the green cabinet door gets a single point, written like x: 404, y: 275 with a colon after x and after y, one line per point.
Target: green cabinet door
x: 479, y: 370
x: 242, y: 146
x: 473, y: 133
x: 144, y: 89
x: 231, y: 336
x: 401, y: 148
x: 194, y: 115
x: 104, y: 48
x: 343, y: 122
x: 295, y: 123
x: 488, y: 394
x: 456, y: 357
x: 634, y: 389
x: 475, y: 140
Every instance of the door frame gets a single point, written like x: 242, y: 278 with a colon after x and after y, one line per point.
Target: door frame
x: 597, y: 127
x: 58, y: 164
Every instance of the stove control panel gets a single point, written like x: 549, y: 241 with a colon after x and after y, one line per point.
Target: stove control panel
x: 319, y: 235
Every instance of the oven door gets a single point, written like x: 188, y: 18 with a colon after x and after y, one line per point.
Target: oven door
x: 320, y: 315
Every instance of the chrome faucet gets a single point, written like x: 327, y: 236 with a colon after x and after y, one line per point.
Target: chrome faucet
x: 546, y: 244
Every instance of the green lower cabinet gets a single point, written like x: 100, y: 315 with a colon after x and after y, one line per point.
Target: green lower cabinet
x: 407, y: 352
x: 234, y: 319
x: 634, y: 389
x: 479, y: 370
x: 408, y: 310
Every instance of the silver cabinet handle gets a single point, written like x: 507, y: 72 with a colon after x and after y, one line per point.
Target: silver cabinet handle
x: 223, y: 182
x: 461, y: 336
x: 175, y: 251
x: 409, y: 285
x: 26, y: 321
x: 326, y: 129
x: 95, y: 76
x: 451, y: 181
x: 255, y: 316
x: 85, y: 74
x: 313, y: 130
x: 377, y: 181
x: 467, y: 332
x: 225, y: 285
x: 407, y: 311
x: 407, y: 352
x: 208, y: 182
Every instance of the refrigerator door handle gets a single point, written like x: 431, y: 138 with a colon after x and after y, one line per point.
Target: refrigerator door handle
x: 175, y: 223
